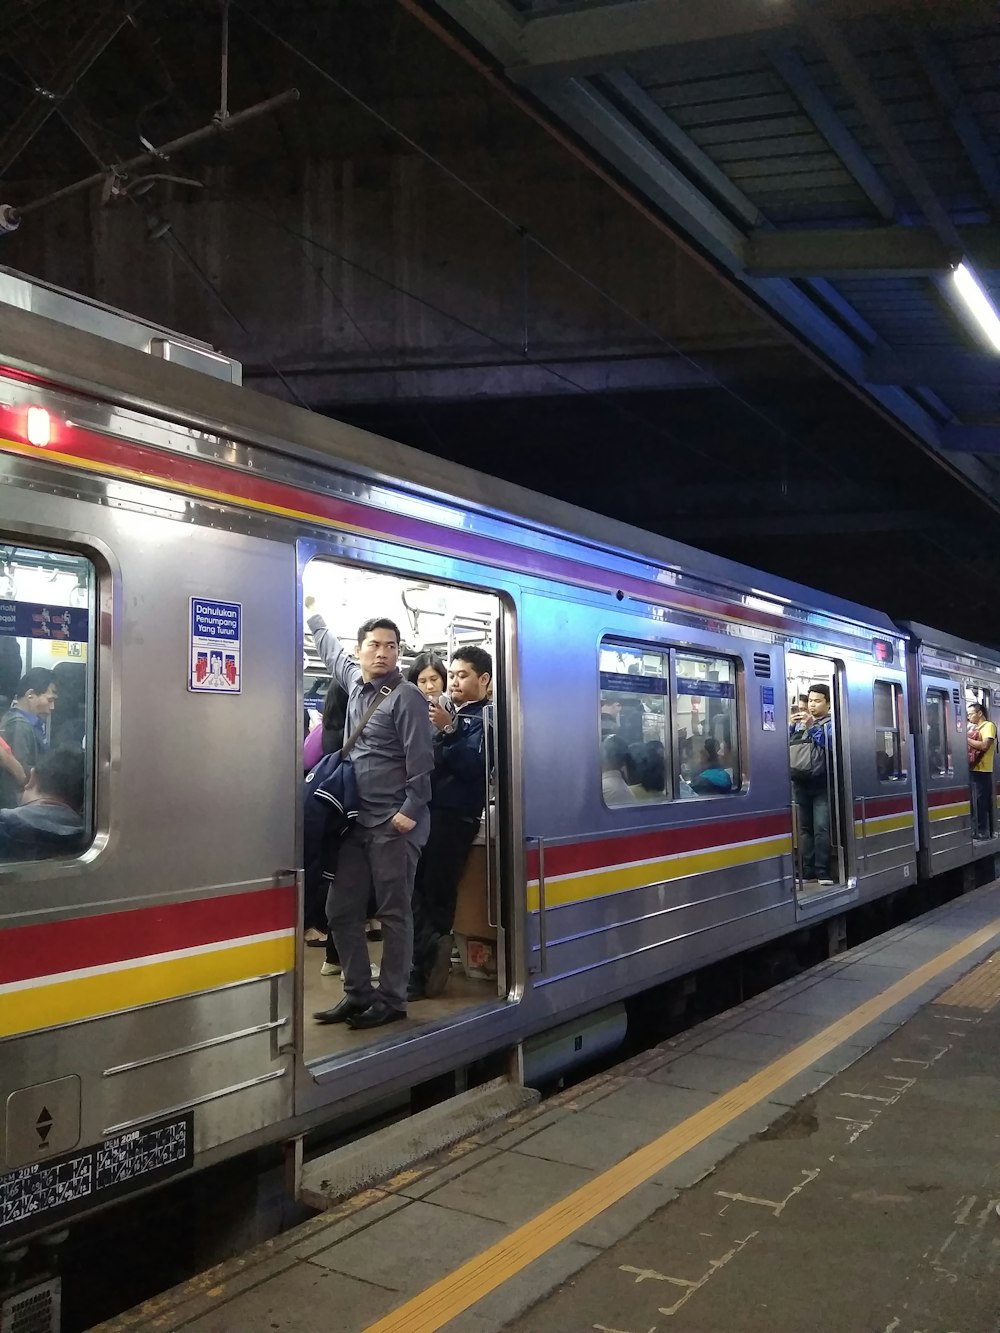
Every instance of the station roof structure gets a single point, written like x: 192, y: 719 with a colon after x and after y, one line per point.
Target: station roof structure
x: 835, y: 159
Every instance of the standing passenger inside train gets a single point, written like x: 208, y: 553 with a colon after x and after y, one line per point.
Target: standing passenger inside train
x: 392, y: 760
x: 982, y: 742
x: 430, y: 675
x: 458, y: 798
x: 325, y: 738
x: 810, y: 743
x: 23, y: 726
x: 68, y: 725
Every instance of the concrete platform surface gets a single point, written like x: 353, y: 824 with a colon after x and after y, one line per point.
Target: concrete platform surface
x: 825, y: 1157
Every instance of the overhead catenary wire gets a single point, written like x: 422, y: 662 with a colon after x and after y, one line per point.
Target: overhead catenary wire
x: 163, y: 151
x: 511, y: 349
x: 177, y: 246
x: 512, y: 222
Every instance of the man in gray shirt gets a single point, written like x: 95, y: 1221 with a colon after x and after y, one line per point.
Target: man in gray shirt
x: 393, y: 761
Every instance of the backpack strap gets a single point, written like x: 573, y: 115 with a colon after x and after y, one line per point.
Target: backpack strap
x: 370, y: 711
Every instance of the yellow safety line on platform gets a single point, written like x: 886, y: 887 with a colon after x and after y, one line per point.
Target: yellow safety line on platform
x: 979, y: 990
x: 461, y: 1289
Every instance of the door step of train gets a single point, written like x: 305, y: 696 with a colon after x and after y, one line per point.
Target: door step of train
x: 340, y: 1174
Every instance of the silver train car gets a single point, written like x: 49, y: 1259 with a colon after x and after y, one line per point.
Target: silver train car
x: 160, y: 526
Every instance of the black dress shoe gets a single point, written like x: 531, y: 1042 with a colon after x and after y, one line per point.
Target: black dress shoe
x: 342, y: 1012
x: 415, y: 991
x: 376, y: 1015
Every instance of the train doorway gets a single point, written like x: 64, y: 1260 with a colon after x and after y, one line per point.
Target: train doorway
x: 817, y: 768
x: 982, y: 764
x: 436, y: 622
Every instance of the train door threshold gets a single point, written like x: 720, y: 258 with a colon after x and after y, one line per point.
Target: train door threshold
x: 357, y: 1166
x: 812, y: 899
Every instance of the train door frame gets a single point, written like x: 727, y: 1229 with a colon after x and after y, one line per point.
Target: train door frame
x: 940, y: 846
x: 973, y: 689
x: 844, y: 849
x: 506, y: 906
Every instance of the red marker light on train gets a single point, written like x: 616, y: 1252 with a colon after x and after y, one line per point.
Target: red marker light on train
x: 38, y: 427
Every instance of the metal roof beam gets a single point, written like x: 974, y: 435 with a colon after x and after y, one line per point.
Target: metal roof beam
x: 800, y: 82
x: 971, y: 439
x: 867, y: 251
x: 963, y: 121
x: 943, y: 368
x: 857, y: 83
x: 599, y: 36
x: 493, y: 24
x: 657, y: 125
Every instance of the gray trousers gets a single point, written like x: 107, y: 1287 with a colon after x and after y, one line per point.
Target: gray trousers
x: 383, y: 862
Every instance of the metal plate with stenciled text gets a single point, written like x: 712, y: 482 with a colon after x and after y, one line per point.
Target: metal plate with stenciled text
x: 45, y: 1193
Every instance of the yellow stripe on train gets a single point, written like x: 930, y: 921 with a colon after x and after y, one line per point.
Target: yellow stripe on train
x: 642, y: 874
x: 949, y: 811
x: 875, y: 824
x: 53, y: 1003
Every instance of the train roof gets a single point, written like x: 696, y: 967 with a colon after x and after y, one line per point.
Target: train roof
x: 948, y: 643
x: 82, y: 360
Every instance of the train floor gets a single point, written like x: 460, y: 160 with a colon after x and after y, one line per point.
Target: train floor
x: 334, y: 1039
x: 825, y: 1156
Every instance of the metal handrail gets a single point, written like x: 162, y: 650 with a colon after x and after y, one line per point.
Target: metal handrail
x: 543, y: 939
x: 491, y: 831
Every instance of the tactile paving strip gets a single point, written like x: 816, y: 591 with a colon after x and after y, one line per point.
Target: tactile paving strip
x: 979, y: 990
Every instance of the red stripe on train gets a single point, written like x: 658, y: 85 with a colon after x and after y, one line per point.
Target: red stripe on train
x: 112, y: 937
x: 883, y: 805
x: 615, y: 851
x: 158, y: 465
x: 948, y: 796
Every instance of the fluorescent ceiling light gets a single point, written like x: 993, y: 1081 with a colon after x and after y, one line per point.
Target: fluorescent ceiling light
x: 977, y: 302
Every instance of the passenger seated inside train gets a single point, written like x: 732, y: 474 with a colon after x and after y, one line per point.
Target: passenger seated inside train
x: 49, y: 820
x: 645, y: 770
x: 711, y: 779
x: 23, y: 726
x: 614, y: 756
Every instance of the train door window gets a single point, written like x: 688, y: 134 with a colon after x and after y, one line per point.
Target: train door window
x: 889, y: 759
x: 47, y: 709
x: 822, y: 830
x: 633, y: 723
x: 982, y: 765
x: 939, y: 761
x: 460, y: 939
x: 705, y: 722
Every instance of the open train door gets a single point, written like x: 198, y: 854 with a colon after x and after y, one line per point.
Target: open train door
x: 822, y: 835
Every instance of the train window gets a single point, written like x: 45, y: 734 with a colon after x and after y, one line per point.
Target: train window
x: 633, y: 723
x: 889, y: 759
x: 707, y: 735
x: 938, y: 750
x: 47, y: 684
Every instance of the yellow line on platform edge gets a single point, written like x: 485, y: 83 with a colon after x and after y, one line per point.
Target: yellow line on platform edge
x: 461, y: 1289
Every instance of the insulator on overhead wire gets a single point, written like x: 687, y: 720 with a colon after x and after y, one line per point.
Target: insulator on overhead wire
x: 10, y: 219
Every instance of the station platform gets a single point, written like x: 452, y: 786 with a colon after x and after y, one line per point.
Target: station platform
x: 825, y: 1156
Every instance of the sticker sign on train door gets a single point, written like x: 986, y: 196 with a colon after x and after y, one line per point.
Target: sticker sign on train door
x: 215, y: 661
x: 767, y: 718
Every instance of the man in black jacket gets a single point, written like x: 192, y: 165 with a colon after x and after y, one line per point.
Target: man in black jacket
x: 458, y: 797
x: 23, y: 727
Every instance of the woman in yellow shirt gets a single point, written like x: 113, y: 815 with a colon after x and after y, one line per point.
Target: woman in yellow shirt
x: 982, y: 742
